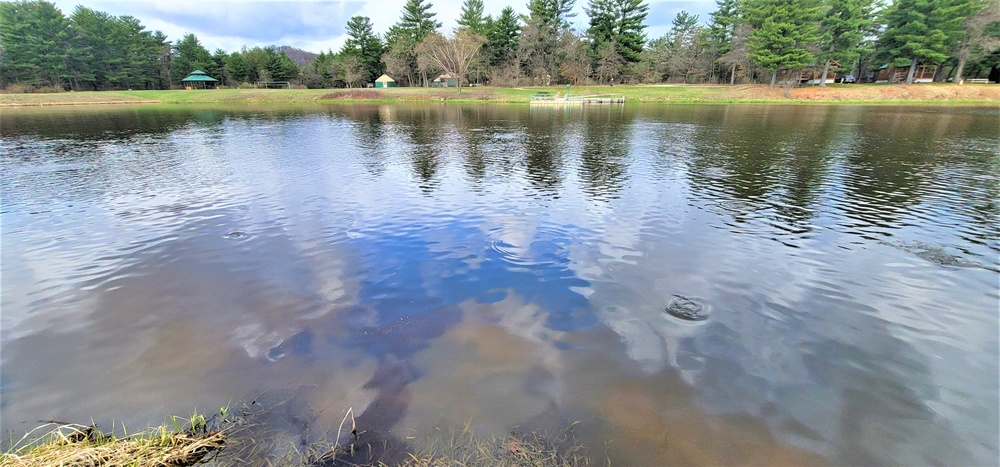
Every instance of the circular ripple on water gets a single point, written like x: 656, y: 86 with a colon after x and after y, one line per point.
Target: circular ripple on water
x: 526, y: 246
x: 688, y: 308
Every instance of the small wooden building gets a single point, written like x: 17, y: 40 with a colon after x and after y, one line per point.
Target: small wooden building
x: 199, y: 80
x: 446, y: 80
x: 897, y: 74
x: 812, y: 74
x: 385, y: 81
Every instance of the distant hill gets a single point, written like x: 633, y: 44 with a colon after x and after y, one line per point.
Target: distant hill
x: 299, y: 56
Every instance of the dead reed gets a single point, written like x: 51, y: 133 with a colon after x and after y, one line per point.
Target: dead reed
x: 63, y: 444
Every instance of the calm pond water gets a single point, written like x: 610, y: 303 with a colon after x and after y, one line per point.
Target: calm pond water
x: 694, y: 284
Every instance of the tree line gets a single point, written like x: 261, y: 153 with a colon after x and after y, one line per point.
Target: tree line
x: 742, y: 41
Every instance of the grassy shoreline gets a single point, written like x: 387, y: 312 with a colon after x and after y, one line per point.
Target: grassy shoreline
x: 921, y: 94
x: 259, y: 433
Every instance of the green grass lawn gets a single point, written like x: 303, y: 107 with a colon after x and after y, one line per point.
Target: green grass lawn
x: 855, y: 93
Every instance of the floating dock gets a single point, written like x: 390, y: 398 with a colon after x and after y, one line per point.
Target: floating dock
x: 545, y: 98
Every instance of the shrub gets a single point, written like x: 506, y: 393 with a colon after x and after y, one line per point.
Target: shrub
x: 20, y: 88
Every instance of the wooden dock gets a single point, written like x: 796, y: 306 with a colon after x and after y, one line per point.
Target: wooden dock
x: 545, y: 98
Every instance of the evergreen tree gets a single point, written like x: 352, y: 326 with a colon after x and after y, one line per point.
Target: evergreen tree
x: 161, y: 48
x: 620, y: 22
x: 724, y: 20
x: 258, y: 60
x: 133, y: 44
x: 923, y: 30
x: 363, y: 44
x: 843, y: 29
x: 189, y: 55
x: 237, y: 69
x: 684, y: 24
x: 502, y: 37
x: 472, y: 18
x: 281, y: 67
x: 402, y: 38
x: 784, y: 31
x: 417, y: 20
x: 722, y: 28
x: 35, y: 38
x: 92, y: 57
x: 219, y: 58
x: 554, y: 14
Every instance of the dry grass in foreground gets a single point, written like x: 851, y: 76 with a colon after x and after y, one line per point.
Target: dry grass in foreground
x: 258, y: 434
x: 82, y: 446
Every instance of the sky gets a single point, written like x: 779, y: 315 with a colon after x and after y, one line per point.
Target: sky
x: 318, y: 25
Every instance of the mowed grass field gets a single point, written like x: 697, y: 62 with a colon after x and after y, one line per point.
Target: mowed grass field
x: 927, y: 93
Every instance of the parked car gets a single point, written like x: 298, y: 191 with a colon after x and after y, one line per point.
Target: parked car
x: 850, y: 79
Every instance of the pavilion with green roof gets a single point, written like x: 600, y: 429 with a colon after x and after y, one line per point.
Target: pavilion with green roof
x: 197, y: 79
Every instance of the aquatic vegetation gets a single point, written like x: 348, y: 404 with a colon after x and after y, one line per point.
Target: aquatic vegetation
x: 464, y: 447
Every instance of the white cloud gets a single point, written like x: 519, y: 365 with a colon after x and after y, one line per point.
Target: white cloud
x: 316, y: 25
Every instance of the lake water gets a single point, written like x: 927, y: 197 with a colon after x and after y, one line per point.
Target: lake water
x: 693, y: 284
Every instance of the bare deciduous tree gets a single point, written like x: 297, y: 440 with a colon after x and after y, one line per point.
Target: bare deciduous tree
x: 575, y: 63
x: 738, y: 56
x: 454, y: 55
x: 399, y: 62
x: 609, y: 63
x: 977, y: 41
x: 353, y: 72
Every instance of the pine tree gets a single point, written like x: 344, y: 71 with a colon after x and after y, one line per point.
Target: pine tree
x: 35, y: 38
x: 553, y: 14
x: 89, y: 62
x: 923, y: 30
x: 783, y: 33
x: 684, y: 24
x: 725, y: 19
x: 219, y: 64
x: 237, y: 68
x: 281, y: 67
x: 620, y: 22
x: 402, y: 38
x: 189, y: 55
x: 472, y: 18
x: 843, y: 29
x: 131, y: 42
x: 502, y: 37
x: 417, y: 20
x: 366, y: 46
x: 161, y: 61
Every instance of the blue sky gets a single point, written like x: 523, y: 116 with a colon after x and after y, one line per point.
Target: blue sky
x: 316, y: 25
